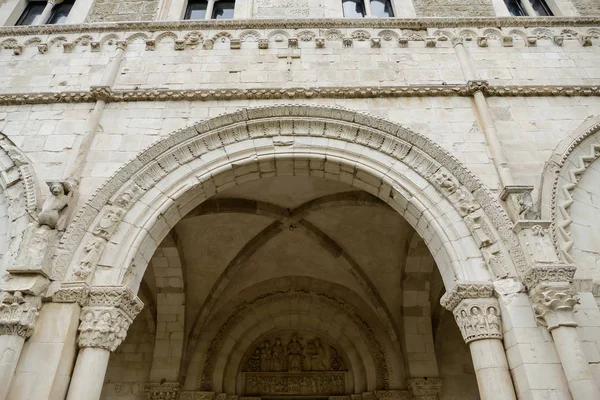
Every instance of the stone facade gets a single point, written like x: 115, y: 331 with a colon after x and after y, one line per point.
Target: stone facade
x: 292, y: 203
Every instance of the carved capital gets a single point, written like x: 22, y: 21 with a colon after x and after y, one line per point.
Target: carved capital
x: 466, y: 290
x: 106, y: 318
x: 18, y: 313
x: 553, y: 304
x: 479, y: 319
x: 425, y: 389
x: 162, y: 391
x: 477, y: 86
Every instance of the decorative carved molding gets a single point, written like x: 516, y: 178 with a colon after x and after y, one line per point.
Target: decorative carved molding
x: 110, y: 95
x: 466, y: 290
x: 425, y: 389
x: 307, y: 23
x: 462, y: 189
x: 162, y: 391
x: 18, y: 313
x: 479, y: 319
x: 540, y: 274
x: 291, y: 383
x: 72, y: 292
x: 106, y: 318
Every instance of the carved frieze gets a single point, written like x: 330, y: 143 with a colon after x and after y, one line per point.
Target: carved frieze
x: 162, y: 391
x: 544, y: 273
x: 18, y: 313
x: 291, y: 383
x: 479, y: 319
x: 425, y: 389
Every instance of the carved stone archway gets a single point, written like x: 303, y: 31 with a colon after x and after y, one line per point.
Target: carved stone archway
x: 135, y: 209
x: 568, y: 163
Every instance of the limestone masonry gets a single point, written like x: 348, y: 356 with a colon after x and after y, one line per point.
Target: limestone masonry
x: 299, y: 199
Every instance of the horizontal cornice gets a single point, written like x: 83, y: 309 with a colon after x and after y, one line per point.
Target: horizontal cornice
x: 349, y: 92
x: 391, y: 23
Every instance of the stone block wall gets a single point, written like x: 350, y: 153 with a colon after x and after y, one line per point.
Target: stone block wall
x: 587, y: 7
x: 453, y: 8
x: 116, y: 11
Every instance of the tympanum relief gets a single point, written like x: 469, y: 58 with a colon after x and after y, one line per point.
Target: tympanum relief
x: 294, y: 363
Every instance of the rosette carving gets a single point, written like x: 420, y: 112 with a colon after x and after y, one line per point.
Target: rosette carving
x: 18, y: 313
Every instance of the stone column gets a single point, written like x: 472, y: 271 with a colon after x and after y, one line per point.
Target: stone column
x: 46, y: 13
x: 554, y: 299
x: 103, y: 327
x: 477, y: 314
x: 425, y: 388
x: 18, y: 313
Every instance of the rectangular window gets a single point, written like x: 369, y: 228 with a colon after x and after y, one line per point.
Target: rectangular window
x: 223, y: 9
x: 196, y: 9
x: 60, y: 12
x: 382, y: 8
x: 518, y: 8
x: 32, y: 12
x: 353, y: 8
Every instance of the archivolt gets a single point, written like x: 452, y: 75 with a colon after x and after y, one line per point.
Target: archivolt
x: 568, y: 162
x: 237, y: 147
x: 20, y: 187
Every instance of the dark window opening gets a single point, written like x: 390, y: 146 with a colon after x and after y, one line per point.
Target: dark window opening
x: 515, y: 8
x: 60, y: 12
x: 382, y: 8
x: 541, y: 8
x: 196, y: 9
x: 33, y: 10
x: 223, y: 10
x: 353, y: 8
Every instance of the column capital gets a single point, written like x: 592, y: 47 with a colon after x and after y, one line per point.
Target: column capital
x: 425, y: 388
x: 162, y: 391
x: 106, y: 316
x: 551, y: 273
x: 553, y: 304
x: 466, y: 290
x: 456, y: 40
x: 18, y: 313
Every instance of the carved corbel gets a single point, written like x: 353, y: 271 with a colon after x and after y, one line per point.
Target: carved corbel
x: 263, y: 44
x: 531, y: 41
x: 105, y: 320
x: 293, y: 43
x: 403, y: 41
x: 558, y: 40
x: 425, y: 389
x: 150, y: 45
x: 507, y: 41
x: 585, y: 40
x: 482, y: 41
x: 162, y: 391
x: 235, y: 44
x: 18, y: 313
x: 376, y: 42
x: 347, y: 42
x: 430, y: 41
x: 519, y: 202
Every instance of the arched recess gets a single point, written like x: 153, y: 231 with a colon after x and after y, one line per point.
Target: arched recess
x: 18, y: 200
x: 290, y: 219
x: 215, y: 352
x: 147, y: 196
x: 570, y: 197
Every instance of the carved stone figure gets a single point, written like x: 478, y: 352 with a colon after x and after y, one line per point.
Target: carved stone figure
x: 527, y: 208
x: 254, y: 362
x: 316, y: 355
x: 294, y: 355
x: 278, y: 356
x: 55, y: 202
x: 266, y: 355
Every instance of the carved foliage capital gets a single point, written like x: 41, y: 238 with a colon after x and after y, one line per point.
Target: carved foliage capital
x: 466, y: 290
x: 18, y: 313
x: 162, y: 391
x: 479, y: 319
x: 553, y: 305
x: 425, y: 389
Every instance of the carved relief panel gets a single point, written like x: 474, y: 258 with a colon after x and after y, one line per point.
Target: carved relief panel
x: 294, y: 363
